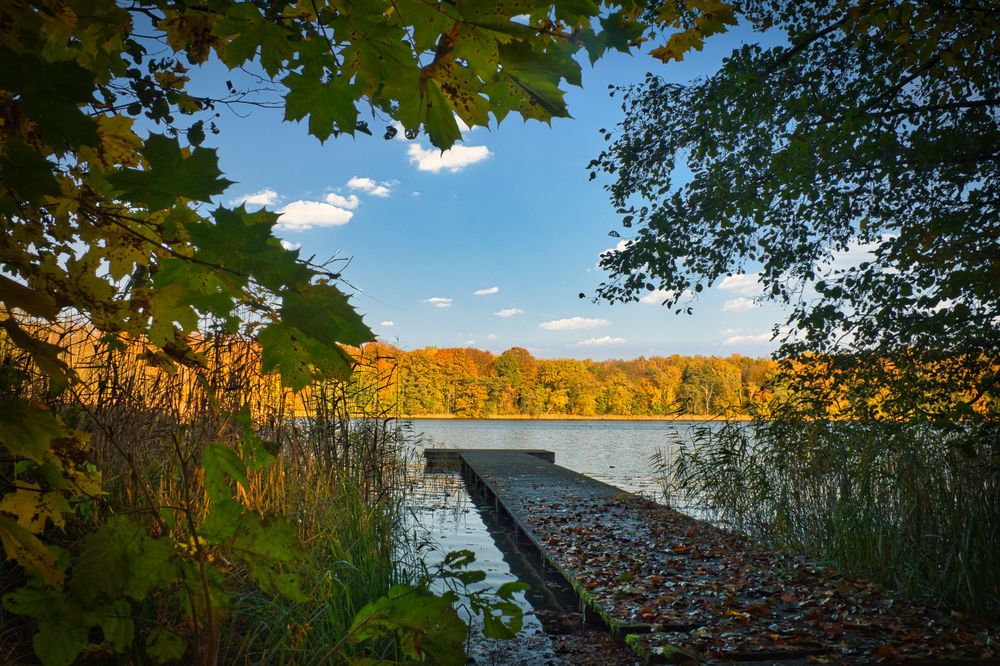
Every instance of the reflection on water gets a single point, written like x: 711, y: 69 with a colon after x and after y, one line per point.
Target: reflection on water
x: 445, y: 517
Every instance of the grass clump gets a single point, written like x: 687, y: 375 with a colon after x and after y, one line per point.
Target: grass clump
x: 271, y: 558
x: 913, y: 506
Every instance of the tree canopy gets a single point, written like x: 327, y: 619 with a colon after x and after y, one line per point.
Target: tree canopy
x: 853, y: 170
x: 105, y: 185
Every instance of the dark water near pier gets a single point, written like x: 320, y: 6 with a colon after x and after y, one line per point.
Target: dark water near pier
x: 448, y: 518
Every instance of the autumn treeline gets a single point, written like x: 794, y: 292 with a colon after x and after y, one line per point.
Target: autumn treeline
x: 473, y: 383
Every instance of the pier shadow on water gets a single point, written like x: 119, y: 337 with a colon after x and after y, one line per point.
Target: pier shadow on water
x: 450, y: 516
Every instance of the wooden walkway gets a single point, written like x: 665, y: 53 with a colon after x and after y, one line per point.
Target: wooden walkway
x: 678, y: 590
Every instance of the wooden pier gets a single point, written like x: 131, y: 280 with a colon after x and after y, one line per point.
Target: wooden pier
x: 679, y: 590
x: 452, y: 458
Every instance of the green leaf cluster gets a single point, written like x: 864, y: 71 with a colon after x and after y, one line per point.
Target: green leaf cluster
x: 427, y: 627
x: 852, y: 174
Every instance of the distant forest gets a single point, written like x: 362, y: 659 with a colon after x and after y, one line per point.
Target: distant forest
x: 473, y: 383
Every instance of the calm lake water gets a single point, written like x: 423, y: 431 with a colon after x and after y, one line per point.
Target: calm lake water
x: 616, y: 452
x: 445, y: 515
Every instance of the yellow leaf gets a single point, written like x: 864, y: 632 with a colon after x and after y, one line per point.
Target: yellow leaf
x: 25, y: 548
x: 171, y: 79
x: 191, y: 32
x: 32, y: 508
x: 119, y: 145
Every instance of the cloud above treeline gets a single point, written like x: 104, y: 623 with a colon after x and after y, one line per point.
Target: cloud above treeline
x: 487, y: 291
x: 656, y: 297
x: 740, y: 304
x: 334, y: 210
x: 371, y: 186
x: 350, y: 202
x: 302, y: 215
x: 602, y: 341
x: 747, y: 284
x: 264, y: 197
x: 573, y: 324
x: 758, y: 338
x: 509, y: 312
x: 439, y: 301
x: 453, y: 160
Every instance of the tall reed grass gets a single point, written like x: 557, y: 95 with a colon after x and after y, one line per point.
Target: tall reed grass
x: 914, y: 506
x: 338, y: 474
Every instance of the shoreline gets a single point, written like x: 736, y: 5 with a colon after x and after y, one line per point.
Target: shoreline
x: 570, y: 417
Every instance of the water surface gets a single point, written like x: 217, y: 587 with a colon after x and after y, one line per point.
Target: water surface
x: 447, y: 518
x: 616, y: 452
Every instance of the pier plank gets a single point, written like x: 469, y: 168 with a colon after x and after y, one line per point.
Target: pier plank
x: 683, y: 591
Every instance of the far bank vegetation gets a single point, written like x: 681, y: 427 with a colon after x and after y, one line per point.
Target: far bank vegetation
x: 472, y: 383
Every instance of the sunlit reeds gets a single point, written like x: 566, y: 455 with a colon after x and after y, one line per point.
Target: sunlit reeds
x: 337, y: 474
x: 915, y: 506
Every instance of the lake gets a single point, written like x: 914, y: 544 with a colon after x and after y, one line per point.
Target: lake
x: 444, y: 514
x: 616, y: 452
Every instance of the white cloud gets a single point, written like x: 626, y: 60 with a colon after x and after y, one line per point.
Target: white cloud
x: 509, y: 312
x: 855, y: 254
x: 265, y: 197
x: 388, y: 323
x: 370, y: 186
x: 486, y: 292
x: 573, y: 324
x: 743, y: 284
x: 619, y: 246
x: 601, y: 341
x: 349, y: 202
x: 302, y: 215
x: 491, y: 336
x: 740, y: 304
x: 454, y: 159
x: 656, y: 296
x: 439, y: 301
x: 290, y: 246
x: 414, y: 194
x: 759, y: 338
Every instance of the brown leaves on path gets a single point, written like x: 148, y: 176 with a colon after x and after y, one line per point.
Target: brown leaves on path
x: 714, y: 594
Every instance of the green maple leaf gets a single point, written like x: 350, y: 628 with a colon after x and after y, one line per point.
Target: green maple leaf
x: 324, y: 313
x: 619, y: 31
x: 203, y: 287
x: 479, y: 48
x: 27, y: 173
x: 32, y: 301
x: 243, y: 243
x: 330, y: 106
x: 300, y: 358
x: 439, y: 121
x: 220, y: 463
x: 164, y: 645
x: 170, y: 175
x: 51, y: 93
x: 249, y: 31
x: 27, y: 431
x: 59, y: 644
x: 573, y: 10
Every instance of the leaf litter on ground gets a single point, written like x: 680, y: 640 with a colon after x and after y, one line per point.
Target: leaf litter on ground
x: 684, y: 583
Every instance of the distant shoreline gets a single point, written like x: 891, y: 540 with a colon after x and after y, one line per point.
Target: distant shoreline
x: 572, y: 417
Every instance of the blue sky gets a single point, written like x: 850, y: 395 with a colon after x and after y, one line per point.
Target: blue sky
x: 489, y: 244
